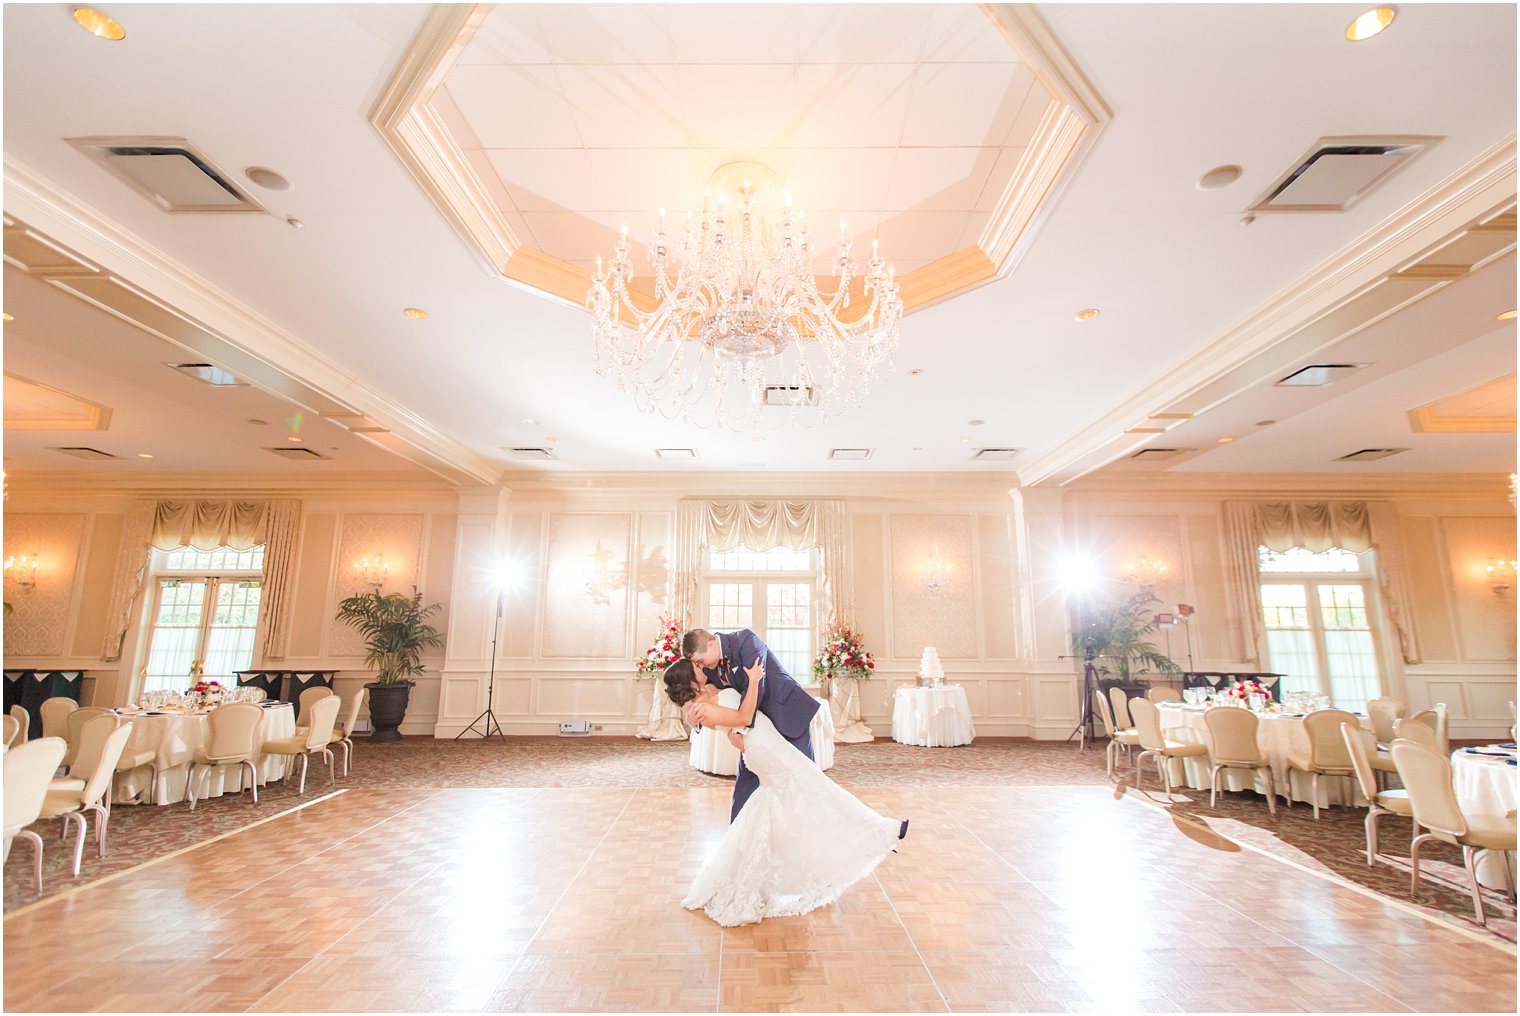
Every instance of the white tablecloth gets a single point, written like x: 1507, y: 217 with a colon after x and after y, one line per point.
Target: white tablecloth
x: 932, y: 717
x: 711, y: 751
x: 1279, y: 735
x: 1486, y: 786
x: 174, y: 739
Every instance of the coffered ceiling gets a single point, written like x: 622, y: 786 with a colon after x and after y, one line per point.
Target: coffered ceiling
x: 902, y: 120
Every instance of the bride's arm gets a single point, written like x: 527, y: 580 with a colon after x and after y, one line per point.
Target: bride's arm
x: 721, y: 716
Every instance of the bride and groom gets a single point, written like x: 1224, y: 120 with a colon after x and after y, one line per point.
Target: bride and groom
x: 796, y: 839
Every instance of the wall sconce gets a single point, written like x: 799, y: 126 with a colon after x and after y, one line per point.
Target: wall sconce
x: 1147, y: 568
x: 935, y: 574
x: 22, y: 569
x: 1501, y: 575
x: 372, y: 570
x: 602, y: 577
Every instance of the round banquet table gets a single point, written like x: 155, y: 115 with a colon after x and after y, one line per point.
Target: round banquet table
x: 1486, y: 786
x: 932, y: 717
x: 711, y: 751
x: 1279, y: 735
x: 174, y: 737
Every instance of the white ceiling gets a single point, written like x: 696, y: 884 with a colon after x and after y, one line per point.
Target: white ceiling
x: 1191, y: 87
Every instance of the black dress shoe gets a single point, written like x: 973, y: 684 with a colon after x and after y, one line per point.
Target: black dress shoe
x: 902, y: 833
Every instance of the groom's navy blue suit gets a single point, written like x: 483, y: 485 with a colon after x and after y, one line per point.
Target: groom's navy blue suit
x: 782, y: 700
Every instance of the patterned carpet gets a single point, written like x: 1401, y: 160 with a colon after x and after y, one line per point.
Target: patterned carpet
x: 1334, y: 844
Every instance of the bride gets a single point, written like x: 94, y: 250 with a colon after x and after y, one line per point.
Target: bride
x: 800, y: 841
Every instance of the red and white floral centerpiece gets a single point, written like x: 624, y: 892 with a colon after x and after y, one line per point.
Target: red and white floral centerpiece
x: 843, y: 661
x: 665, y: 651
x: 1244, y: 689
x: 206, y: 694
x: 666, y: 722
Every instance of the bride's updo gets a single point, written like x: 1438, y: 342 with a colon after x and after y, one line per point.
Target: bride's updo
x: 679, y: 678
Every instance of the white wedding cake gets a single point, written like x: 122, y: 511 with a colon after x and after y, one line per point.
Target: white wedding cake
x: 930, y: 672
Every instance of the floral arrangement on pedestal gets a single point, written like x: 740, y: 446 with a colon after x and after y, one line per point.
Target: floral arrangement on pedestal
x: 843, y: 654
x: 665, y: 651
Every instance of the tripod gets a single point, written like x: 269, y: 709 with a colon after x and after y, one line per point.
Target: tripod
x: 1087, y: 725
x: 488, y: 715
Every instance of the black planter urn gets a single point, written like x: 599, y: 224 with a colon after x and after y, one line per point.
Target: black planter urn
x: 387, y: 708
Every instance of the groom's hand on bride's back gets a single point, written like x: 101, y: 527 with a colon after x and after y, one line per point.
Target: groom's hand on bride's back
x: 757, y: 672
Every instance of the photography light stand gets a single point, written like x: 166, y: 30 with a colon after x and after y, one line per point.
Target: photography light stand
x: 1185, y: 615
x: 488, y: 715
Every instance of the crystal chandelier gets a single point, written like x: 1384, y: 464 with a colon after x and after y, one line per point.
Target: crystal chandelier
x: 736, y: 319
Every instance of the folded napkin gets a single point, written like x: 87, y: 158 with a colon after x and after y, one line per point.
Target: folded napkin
x: 1506, y: 744
x: 1490, y: 754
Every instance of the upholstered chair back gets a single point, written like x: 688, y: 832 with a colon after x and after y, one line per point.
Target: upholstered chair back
x: 1426, y: 775
x: 1327, y: 749
x: 1233, y: 731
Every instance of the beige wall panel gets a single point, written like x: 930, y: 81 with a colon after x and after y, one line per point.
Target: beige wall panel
x: 584, y: 697
x: 947, y: 621
x: 396, y: 536
x: 520, y: 611
x: 1429, y: 586
x: 1485, y: 620
x: 313, y: 572
x: 577, y: 623
x: 869, y: 616
x: 998, y: 588
x: 1006, y: 698
x: 1214, y: 626
x: 38, y: 624
x: 95, y: 593
x: 438, y: 570
x: 514, y: 695
x: 651, y: 578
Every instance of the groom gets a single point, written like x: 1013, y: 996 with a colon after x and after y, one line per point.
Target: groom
x: 719, y: 659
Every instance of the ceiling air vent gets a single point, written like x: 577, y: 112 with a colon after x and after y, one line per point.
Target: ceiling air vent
x: 297, y: 454
x: 209, y: 374
x: 169, y: 172
x: 675, y: 453
x: 1368, y: 454
x: 1157, y: 454
x: 85, y: 453
x: 851, y: 454
x: 995, y: 454
x: 791, y: 395
x: 1338, y: 172
x: 531, y: 453
x: 1317, y: 375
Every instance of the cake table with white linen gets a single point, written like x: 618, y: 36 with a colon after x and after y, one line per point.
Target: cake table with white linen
x: 1485, y: 780
x: 932, y: 717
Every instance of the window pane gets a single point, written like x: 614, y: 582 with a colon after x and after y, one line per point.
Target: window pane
x: 1290, y: 641
x: 730, y: 605
x: 1300, y: 560
x: 1349, y: 651
x: 229, y: 643
x: 176, y: 630
x: 775, y: 559
x: 1285, y: 606
x: 789, y: 626
x: 220, y: 559
x: 1342, y: 606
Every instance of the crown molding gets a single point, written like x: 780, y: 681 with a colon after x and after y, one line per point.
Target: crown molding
x: 1469, y: 199
x: 131, y: 270
x: 1493, y: 487
x: 33, y: 486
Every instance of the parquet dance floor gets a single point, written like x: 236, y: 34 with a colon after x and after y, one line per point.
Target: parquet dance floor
x: 1012, y: 898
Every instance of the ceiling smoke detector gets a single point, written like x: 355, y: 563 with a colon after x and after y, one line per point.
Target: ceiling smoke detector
x: 1317, y: 375
x: 170, y: 172
x: 1338, y: 172
x: 1369, y: 454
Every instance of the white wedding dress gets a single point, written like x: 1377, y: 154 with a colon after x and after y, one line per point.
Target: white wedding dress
x: 799, y: 842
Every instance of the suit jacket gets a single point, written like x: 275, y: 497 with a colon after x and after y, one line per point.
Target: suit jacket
x: 782, y: 699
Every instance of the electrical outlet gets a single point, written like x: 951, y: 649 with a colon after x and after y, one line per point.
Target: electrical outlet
x: 597, y: 727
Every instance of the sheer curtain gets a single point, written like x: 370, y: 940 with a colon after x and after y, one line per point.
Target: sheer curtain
x: 206, y: 525
x: 1317, y: 526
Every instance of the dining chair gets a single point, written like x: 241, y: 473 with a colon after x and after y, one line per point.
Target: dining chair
x: 1427, y: 777
x: 1435, y: 719
x: 344, y: 734
x: 1233, y: 732
x: 1411, y: 729
x: 1379, y: 802
x: 55, y: 713
x: 24, y: 719
x: 1120, y: 702
x: 1327, y: 751
x: 232, y: 739
x: 90, y: 743
x: 1148, y: 728
x: 9, y: 729
x: 28, y: 768
x: 74, y: 723
x: 313, y: 739
x: 1511, y: 720
x: 1163, y: 695
x: 1116, y: 737
x: 1384, y: 712
x: 74, y: 805
x: 311, y: 695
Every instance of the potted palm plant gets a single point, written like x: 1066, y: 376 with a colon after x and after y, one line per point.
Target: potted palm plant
x: 1117, y: 630
x: 396, y: 631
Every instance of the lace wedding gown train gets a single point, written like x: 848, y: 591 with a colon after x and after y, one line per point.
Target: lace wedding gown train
x: 799, y: 842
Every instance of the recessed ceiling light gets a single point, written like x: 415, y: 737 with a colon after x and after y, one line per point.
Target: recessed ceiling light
x: 293, y: 438
x: 964, y: 440
x: 1508, y: 315
x: 1225, y: 440
x: 266, y: 178
x: 415, y: 313
x: 10, y: 317
x: 551, y: 440
x: 915, y: 372
x: 99, y: 23
x: 1219, y: 176
x: 294, y: 223
x: 145, y: 455
x: 1265, y: 423
x: 1369, y: 23
x: 975, y: 423
x: 918, y: 449
x: 758, y: 439
x: 257, y: 422
x: 531, y: 423
x: 1088, y: 314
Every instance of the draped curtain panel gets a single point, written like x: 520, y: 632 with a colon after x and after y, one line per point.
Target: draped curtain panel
x: 1355, y: 526
x: 759, y: 526
x: 206, y: 525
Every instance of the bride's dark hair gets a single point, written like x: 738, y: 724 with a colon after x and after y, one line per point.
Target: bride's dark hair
x: 679, y: 678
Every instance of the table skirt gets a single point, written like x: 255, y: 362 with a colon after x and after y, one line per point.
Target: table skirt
x: 174, y: 739
x: 1486, y: 786
x: 711, y: 751
x: 932, y: 717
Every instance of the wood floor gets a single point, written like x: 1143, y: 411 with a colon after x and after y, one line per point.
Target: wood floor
x: 1064, y: 899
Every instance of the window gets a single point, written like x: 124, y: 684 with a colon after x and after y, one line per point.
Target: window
x: 205, y: 614
x: 1315, y: 607
x: 772, y: 592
